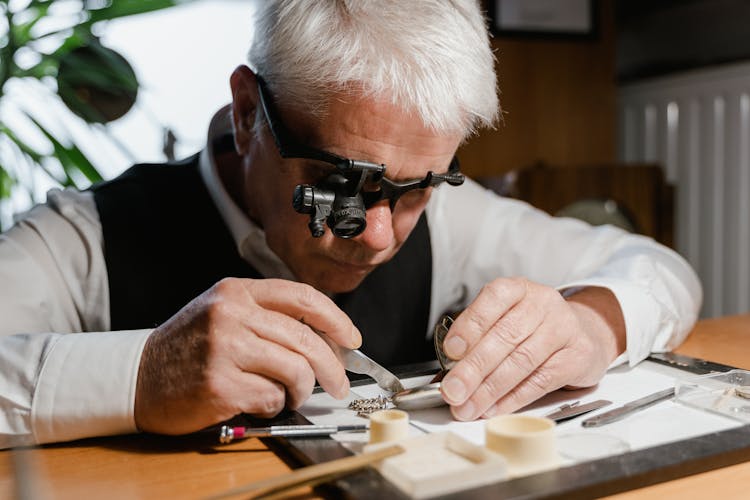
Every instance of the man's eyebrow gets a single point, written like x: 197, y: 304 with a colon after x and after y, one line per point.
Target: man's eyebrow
x: 442, y: 171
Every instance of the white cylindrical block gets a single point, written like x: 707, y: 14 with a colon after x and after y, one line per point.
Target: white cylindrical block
x: 526, y: 442
x: 388, y: 425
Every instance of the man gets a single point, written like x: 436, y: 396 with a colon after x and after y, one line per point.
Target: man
x: 327, y: 203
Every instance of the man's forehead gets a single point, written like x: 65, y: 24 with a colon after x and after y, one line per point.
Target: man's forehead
x: 375, y: 130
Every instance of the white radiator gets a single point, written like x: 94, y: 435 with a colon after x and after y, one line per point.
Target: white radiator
x: 697, y: 125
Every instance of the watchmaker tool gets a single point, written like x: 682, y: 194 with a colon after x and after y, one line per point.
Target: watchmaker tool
x: 571, y: 410
x: 629, y: 408
x: 356, y: 361
x: 228, y: 433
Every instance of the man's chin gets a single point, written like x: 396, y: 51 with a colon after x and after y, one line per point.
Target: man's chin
x: 334, y: 282
x: 334, y: 276
x: 340, y: 284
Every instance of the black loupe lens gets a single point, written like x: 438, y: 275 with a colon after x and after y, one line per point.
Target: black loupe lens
x: 348, y: 218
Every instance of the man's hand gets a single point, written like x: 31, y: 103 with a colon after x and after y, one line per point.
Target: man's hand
x: 244, y: 346
x: 520, y: 340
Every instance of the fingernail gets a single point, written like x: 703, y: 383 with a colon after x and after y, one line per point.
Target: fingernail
x: 491, y: 412
x: 454, y: 389
x: 356, y: 338
x: 343, y: 390
x: 465, y: 412
x: 455, y: 347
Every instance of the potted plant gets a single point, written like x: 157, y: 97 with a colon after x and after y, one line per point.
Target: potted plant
x: 52, y: 47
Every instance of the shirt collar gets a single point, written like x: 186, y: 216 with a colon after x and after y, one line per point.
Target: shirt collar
x: 249, y: 238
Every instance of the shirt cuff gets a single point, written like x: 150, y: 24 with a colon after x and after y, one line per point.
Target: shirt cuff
x: 649, y: 327
x: 86, y: 386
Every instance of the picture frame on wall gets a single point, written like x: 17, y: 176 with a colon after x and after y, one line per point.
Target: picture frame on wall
x: 555, y: 19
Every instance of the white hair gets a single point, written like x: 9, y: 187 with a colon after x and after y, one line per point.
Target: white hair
x: 431, y: 57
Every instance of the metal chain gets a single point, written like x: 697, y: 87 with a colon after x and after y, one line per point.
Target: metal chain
x: 365, y: 406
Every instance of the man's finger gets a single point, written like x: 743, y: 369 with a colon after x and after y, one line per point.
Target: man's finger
x: 260, y: 396
x: 524, y: 373
x: 279, y: 364
x: 493, y: 301
x: 544, y: 380
x: 301, y: 339
x: 502, y: 338
x: 308, y: 305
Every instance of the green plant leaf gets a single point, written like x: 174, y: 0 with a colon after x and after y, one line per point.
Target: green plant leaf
x: 99, y: 87
x: 71, y: 158
x: 79, y: 36
x: 47, y: 66
x: 34, y: 158
x: 123, y: 8
x: 83, y: 165
x: 22, y: 32
x: 33, y: 154
x: 6, y: 183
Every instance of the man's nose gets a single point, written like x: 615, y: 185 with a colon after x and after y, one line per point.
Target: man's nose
x: 378, y: 234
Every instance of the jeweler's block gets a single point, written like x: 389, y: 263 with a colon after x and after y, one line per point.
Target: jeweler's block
x: 440, y: 463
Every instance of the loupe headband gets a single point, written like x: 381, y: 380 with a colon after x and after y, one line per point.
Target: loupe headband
x: 324, y: 201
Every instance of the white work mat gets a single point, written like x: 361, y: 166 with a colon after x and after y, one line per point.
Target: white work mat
x: 665, y: 422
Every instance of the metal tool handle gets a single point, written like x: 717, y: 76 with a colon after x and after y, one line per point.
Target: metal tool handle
x: 629, y: 408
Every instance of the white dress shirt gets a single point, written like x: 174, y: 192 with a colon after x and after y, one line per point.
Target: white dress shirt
x: 58, y: 384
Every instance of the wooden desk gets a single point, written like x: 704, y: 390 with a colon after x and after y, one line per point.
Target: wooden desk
x: 141, y: 466
x: 724, y: 340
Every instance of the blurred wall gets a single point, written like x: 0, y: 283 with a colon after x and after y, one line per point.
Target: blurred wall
x: 559, y: 102
x: 660, y: 37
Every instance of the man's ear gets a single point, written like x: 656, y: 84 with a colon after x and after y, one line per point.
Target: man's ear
x: 244, y: 104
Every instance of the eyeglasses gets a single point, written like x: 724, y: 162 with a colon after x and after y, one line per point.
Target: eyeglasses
x: 342, y: 198
x: 358, y: 172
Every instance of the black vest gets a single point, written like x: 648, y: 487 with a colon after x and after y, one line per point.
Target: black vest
x: 165, y: 243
